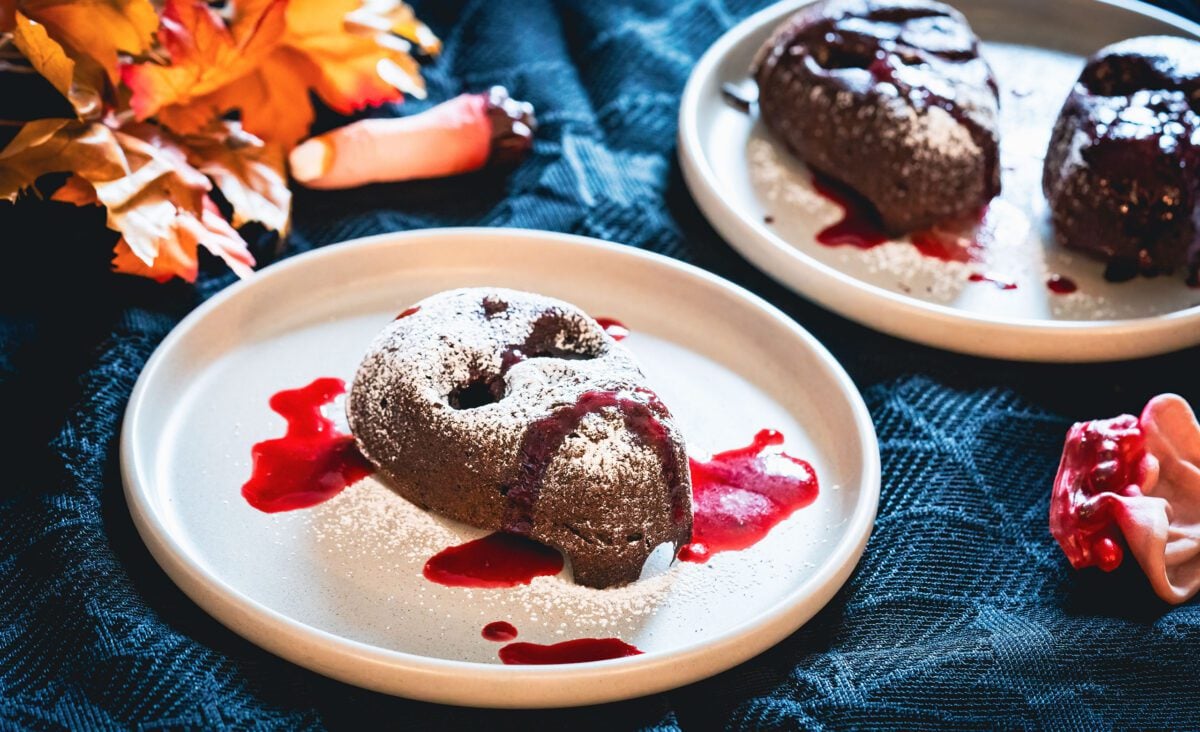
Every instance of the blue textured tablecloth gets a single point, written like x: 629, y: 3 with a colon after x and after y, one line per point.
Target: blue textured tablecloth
x: 963, y: 612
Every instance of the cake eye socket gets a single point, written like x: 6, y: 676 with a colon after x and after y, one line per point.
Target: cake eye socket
x: 478, y: 392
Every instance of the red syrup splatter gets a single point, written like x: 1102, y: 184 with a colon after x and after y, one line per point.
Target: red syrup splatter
x: 407, y: 312
x: 499, y: 631
x: 999, y: 282
x: 312, y: 462
x: 739, y: 495
x: 1101, y: 457
x: 580, y: 650
x: 496, y: 560
x: 860, y: 227
x: 614, y: 328
x: 1060, y: 285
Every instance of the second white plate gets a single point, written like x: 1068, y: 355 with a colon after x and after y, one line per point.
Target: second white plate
x: 758, y: 196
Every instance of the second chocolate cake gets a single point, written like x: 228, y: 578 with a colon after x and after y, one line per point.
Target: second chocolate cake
x: 1123, y: 169
x: 517, y: 412
x: 890, y: 98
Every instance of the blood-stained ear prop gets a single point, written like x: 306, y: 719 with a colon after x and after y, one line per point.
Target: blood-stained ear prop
x: 1133, y: 484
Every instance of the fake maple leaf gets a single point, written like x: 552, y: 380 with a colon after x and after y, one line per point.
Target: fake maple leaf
x: 56, y: 145
x: 156, y: 188
x: 163, y: 210
x: 395, y: 17
x: 97, y: 30
x: 248, y: 172
x: 264, y: 61
x: 206, y: 54
x: 79, y: 82
x: 175, y: 255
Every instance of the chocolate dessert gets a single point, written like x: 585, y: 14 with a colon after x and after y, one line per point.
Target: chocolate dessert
x: 516, y: 412
x: 892, y: 99
x: 1122, y: 172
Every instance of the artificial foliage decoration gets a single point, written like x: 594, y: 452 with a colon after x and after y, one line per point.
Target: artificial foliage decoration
x: 153, y: 110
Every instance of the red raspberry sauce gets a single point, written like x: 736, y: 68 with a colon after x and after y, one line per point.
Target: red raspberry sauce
x: 739, y: 495
x: 312, y: 462
x: 499, y: 631
x: 496, y: 560
x: 580, y: 650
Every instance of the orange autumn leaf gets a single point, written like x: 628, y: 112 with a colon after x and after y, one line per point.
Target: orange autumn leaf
x: 163, y: 210
x: 46, y: 54
x: 98, y: 29
x: 345, y: 67
x: 206, y: 54
x: 396, y: 17
x: 177, y: 255
x: 316, y: 50
x: 76, y: 191
x: 59, y: 145
x: 79, y: 83
x: 280, y: 111
x: 248, y: 173
x: 156, y: 200
x: 203, y: 61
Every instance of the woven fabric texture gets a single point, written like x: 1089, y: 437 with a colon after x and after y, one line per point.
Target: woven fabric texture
x: 963, y: 612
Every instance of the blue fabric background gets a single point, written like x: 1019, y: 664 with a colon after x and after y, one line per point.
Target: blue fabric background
x: 963, y: 612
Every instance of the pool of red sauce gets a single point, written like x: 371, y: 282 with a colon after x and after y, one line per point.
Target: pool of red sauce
x: 860, y: 227
x: 739, y: 495
x: 499, y: 631
x: 312, y: 462
x: 496, y: 560
x: 580, y: 650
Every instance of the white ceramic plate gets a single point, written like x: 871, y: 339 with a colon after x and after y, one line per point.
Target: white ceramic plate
x: 739, y: 174
x: 338, y: 588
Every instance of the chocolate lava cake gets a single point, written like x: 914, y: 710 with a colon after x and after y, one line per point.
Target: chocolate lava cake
x: 892, y: 99
x: 517, y: 412
x: 1122, y: 172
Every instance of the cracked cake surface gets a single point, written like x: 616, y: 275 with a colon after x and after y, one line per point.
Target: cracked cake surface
x: 891, y: 98
x: 517, y: 412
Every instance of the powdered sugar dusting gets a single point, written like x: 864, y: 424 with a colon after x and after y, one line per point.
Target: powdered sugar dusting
x: 370, y: 527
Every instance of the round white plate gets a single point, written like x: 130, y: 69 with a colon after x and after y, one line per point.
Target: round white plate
x: 338, y: 588
x: 739, y: 175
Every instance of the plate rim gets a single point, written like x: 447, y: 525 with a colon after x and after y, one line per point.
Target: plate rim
x: 424, y: 677
x: 1063, y: 341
